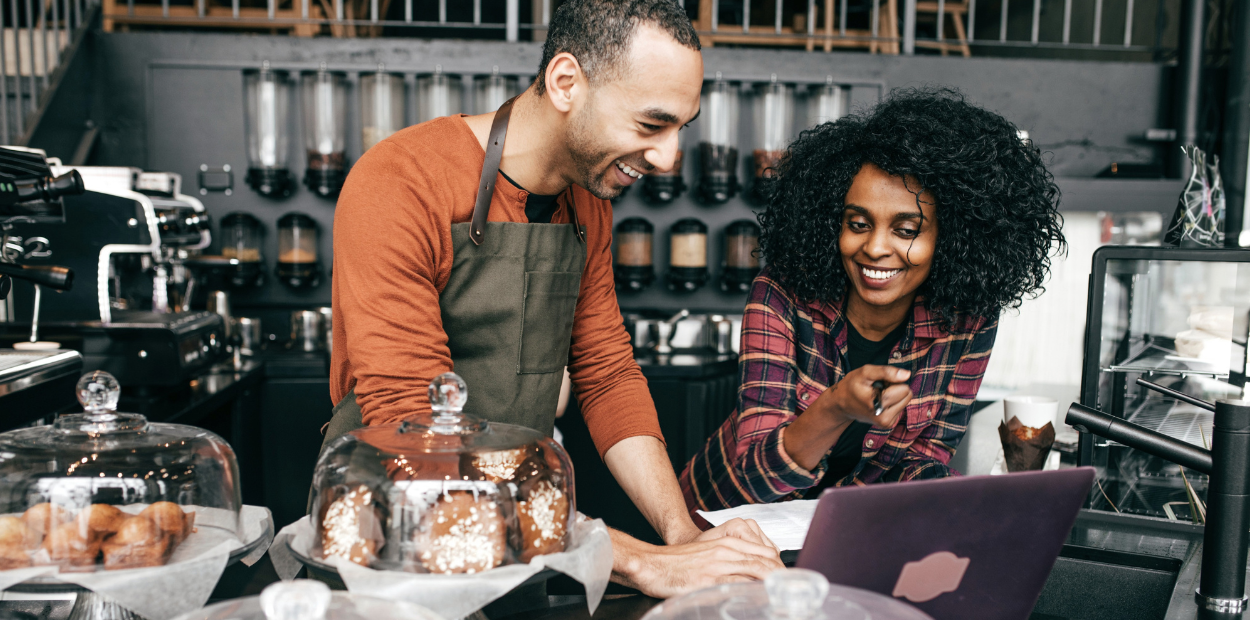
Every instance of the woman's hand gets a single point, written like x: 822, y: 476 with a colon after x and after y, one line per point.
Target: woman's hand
x: 851, y: 399
x: 810, y: 437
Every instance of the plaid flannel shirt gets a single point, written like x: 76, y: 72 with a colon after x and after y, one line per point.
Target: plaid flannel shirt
x: 791, y: 352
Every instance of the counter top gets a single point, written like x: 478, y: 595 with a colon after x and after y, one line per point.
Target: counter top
x: 205, y: 393
x: 686, y: 364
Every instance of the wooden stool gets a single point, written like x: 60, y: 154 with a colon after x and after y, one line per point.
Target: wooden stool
x: 956, y: 10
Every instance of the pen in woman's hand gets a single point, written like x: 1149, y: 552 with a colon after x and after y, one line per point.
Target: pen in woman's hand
x: 877, y: 386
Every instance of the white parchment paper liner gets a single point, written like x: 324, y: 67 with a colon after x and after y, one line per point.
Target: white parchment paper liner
x: 185, y: 582
x: 456, y: 596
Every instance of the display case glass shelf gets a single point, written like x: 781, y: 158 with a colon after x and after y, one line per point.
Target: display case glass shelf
x: 1176, y: 317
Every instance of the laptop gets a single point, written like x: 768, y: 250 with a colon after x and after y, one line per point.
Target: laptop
x: 976, y: 547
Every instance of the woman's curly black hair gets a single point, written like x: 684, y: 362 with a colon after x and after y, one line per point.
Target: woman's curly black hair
x: 997, y: 205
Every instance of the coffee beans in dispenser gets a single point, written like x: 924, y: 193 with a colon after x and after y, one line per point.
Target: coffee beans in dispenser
x: 774, y: 126
x: 687, y: 258
x: 718, y: 152
x: 297, y: 251
x: 663, y: 187
x: 742, y: 261
x: 267, y: 100
x: 633, y: 266
x: 325, y: 130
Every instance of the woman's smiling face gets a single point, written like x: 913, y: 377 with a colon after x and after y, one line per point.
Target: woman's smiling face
x: 886, y: 244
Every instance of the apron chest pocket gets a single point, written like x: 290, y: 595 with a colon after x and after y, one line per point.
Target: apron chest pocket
x: 547, y: 323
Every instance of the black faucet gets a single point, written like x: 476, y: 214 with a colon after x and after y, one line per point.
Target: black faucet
x: 1226, y: 537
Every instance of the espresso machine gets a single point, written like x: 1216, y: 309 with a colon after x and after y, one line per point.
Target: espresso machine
x: 127, y: 236
x: 33, y: 383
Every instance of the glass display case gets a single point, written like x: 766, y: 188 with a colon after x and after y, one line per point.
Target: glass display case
x: 109, y: 490
x: 305, y: 599
x: 789, y: 594
x: 442, y: 492
x: 1176, y: 318
x: 267, y: 101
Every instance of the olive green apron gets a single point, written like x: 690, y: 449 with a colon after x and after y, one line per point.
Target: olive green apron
x: 507, y: 309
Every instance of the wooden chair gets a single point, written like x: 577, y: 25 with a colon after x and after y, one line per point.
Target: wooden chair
x: 956, y: 11
x: 826, y: 35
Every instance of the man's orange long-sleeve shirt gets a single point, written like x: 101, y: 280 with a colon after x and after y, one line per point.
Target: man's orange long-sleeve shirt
x: 392, y: 258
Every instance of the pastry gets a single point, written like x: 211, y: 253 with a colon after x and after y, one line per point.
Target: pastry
x: 513, y: 465
x: 496, y: 465
x: 171, y: 519
x: 13, y: 556
x: 100, y: 520
x: 71, y: 546
x: 138, y: 542
x: 16, y: 534
x: 462, y: 533
x: 351, y: 528
x: 544, y: 518
x: 44, y: 517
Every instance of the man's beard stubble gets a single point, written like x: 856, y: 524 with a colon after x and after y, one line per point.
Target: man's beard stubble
x: 589, y: 156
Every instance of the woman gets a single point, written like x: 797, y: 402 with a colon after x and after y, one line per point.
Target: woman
x: 893, y: 240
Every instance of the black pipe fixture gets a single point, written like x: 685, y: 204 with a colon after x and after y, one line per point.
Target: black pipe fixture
x: 687, y: 257
x: 633, y: 267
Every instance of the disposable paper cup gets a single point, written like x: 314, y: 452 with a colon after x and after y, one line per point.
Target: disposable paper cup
x: 1033, y: 411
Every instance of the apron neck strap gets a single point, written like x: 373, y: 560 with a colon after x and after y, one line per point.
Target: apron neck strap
x: 490, y: 170
x: 490, y: 173
x: 577, y: 227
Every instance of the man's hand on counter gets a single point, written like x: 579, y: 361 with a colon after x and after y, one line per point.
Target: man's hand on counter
x: 735, y: 551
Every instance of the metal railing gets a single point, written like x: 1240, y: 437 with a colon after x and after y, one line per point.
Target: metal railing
x: 888, y: 26
x: 35, y: 36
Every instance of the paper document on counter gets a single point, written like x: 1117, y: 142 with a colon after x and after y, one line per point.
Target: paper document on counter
x: 785, y: 523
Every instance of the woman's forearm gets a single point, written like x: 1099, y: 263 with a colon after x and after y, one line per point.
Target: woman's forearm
x: 809, y: 438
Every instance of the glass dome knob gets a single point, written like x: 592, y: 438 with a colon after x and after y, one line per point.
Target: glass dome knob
x: 98, y: 392
x: 448, y: 394
x: 795, y: 594
x: 302, y: 599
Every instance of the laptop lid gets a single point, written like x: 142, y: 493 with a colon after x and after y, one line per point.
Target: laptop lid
x: 976, y: 547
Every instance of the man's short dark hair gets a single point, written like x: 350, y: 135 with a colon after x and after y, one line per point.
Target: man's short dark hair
x: 598, y: 33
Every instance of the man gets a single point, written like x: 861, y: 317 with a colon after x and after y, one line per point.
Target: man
x: 484, y: 243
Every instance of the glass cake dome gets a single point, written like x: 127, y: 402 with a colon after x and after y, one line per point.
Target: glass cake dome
x: 442, y: 492
x: 787, y: 594
x: 102, y: 489
x: 304, y: 599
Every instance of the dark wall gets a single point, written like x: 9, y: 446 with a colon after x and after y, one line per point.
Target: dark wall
x: 173, y: 101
